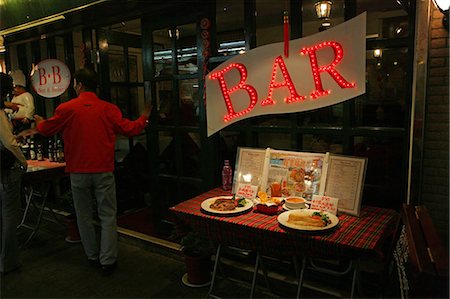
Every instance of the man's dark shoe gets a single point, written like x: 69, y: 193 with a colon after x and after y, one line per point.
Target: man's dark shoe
x: 94, y: 263
x: 108, y: 269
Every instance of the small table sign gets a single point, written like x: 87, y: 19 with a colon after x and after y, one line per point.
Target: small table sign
x: 325, y: 203
x: 247, y: 191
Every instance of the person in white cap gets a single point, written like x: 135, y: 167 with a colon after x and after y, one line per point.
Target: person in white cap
x: 21, y: 107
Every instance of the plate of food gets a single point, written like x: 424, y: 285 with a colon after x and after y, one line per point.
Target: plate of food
x: 225, y: 205
x: 308, y: 220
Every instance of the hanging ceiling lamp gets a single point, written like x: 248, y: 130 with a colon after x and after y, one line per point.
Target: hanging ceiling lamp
x: 323, y: 11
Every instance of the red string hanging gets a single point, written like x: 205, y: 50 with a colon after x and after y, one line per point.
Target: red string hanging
x: 286, y: 34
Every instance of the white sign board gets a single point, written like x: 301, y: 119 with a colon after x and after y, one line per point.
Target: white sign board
x: 51, y: 78
x: 322, y: 70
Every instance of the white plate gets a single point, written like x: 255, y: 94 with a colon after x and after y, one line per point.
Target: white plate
x: 283, y: 220
x: 206, y: 203
x: 287, y: 209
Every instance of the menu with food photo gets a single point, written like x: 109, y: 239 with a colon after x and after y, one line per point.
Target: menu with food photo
x: 294, y: 174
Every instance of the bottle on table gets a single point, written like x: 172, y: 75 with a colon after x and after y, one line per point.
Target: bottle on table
x: 39, y: 154
x: 32, y: 150
x: 227, y: 175
x: 59, y: 151
x: 25, y: 147
x: 50, y: 151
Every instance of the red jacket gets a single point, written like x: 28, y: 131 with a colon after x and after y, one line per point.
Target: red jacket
x: 89, y: 127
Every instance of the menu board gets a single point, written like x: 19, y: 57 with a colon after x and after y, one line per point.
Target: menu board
x: 345, y: 179
x: 286, y: 173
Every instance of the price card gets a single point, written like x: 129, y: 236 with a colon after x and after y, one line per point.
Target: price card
x: 247, y: 190
x: 325, y: 203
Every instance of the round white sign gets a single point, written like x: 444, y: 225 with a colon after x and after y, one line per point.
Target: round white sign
x: 51, y: 78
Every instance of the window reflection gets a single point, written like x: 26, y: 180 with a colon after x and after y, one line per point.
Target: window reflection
x: 327, y: 116
x: 187, y: 49
x: 269, y: 22
x: 322, y: 143
x: 189, y: 108
x: 230, y: 27
x: 162, y: 45
x: 385, y: 19
x: 167, y: 161
x: 190, y: 143
x: 275, y: 140
x: 384, y: 170
x: 311, y: 24
x: 383, y: 104
x: 165, y: 102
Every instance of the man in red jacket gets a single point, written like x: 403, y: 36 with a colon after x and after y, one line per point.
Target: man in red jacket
x: 89, y: 127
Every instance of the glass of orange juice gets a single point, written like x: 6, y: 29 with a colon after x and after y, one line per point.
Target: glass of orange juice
x: 275, y: 189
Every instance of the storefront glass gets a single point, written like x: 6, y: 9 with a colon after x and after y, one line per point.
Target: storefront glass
x: 230, y: 27
x: 162, y: 47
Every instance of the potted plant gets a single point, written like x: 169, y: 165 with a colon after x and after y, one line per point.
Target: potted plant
x: 197, y: 256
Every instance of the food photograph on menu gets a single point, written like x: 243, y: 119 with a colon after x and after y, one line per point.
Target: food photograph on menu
x: 294, y: 174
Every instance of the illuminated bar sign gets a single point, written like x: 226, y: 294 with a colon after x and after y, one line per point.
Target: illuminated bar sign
x: 322, y: 70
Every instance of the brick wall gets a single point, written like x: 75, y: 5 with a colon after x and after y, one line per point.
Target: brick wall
x: 435, y: 184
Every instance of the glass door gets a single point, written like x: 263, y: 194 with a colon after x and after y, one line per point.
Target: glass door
x: 173, y: 80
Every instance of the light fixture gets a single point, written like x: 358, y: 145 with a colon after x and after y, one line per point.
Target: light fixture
x: 177, y: 33
x: 32, y: 24
x: 443, y: 6
x: 377, y: 53
x: 2, y: 45
x: 323, y: 11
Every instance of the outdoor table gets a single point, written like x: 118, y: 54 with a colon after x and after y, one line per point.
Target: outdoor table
x: 353, y: 238
x: 37, y: 182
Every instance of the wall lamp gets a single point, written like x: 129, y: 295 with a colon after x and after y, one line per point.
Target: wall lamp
x: 443, y: 6
x: 323, y: 11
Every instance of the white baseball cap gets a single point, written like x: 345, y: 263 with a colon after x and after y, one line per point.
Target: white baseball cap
x: 18, y: 78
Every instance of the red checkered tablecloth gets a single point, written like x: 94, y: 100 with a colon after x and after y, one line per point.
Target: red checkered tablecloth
x: 352, y: 237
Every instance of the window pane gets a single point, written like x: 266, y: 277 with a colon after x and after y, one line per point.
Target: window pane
x: 385, y: 19
x: 327, y: 116
x: 383, y: 104
x: 162, y: 44
x: 166, y: 153
x: 273, y: 120
x: 187, y: 49
x: 280, y: 141
x: 230, y: 27
x: 229, y: 142
x: 189, y: 102
x: 120, y: 96
x: 384, y: 170
x: 165, y: 102
x: 116, y: 64
x: 190, y: 144
x: 322, y: 143
x: 269, y: 22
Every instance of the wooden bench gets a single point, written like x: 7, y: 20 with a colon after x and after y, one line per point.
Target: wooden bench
x: 422, y: 260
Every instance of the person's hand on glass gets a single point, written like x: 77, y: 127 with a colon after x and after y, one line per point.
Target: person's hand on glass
x: 147, y: 110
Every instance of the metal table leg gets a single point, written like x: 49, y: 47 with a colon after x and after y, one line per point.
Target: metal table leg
x: 300, y: 279
x: 213, y: 279
x: 30, y: 195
